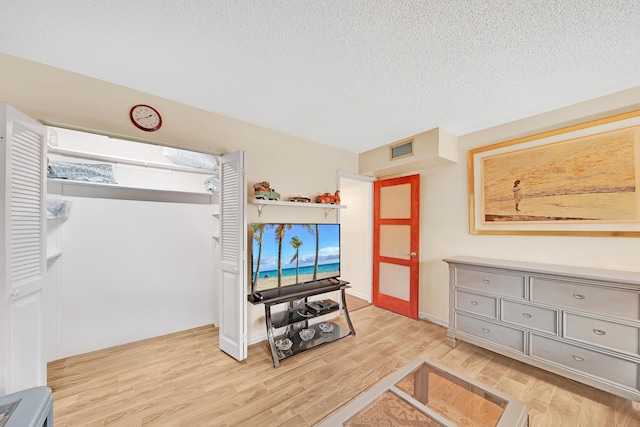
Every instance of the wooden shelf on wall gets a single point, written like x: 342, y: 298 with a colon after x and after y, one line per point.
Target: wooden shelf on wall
x: 260, y: 204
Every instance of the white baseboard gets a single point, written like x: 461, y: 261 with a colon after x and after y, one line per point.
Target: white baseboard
x: 431, y: 319
x: 353, y: 293
x: 257, y: 339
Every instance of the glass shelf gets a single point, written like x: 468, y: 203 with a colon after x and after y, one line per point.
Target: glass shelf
x: 295, y: 315
x: 426, y: 393
x: 319, y: 338
x: 294, y: 319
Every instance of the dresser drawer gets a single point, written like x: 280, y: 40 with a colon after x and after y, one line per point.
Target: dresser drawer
x: 530, y: 316
x: 605, y: 300
x: 496, y: 283
x: 591, y: 362
x: 603, y: 333
x: 478, y: 304
x: 488, y: 331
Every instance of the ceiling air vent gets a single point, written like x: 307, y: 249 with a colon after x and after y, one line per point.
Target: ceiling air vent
x: 403, y: 149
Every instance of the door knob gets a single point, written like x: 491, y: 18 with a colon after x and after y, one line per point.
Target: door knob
x: 15, y: 293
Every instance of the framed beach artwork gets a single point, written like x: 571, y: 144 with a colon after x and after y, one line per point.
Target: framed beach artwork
x: 580, y: 180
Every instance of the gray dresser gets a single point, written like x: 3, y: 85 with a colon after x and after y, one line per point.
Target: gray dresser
x: 582, y: 323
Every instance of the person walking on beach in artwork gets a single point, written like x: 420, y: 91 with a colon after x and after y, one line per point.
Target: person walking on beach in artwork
x: 517, y: 193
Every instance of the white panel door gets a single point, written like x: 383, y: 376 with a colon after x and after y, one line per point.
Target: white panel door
x: 233, y: 270
x: 22, y: 250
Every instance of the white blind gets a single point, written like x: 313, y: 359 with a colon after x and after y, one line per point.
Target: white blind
x: 26, y: 204
x: 230, y: 216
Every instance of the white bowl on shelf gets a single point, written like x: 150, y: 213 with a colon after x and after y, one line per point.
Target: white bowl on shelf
x: 326, y: 326
x: 307, y: 334
x: 284, y: 344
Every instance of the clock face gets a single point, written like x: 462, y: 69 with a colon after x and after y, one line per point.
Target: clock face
x: 145, y: 117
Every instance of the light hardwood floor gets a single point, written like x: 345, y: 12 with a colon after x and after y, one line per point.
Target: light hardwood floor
x: 183, y: 379
x: 355, y: 303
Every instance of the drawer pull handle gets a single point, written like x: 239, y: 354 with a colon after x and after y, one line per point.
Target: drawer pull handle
x: 474, y: 302
x: 526, y: 315
x: 599, y: 332
x: 485, y: 330
x: 486, y: 281
x: 578, y: 296
x: 578, y: 358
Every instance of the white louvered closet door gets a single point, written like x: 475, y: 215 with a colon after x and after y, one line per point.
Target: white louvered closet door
x: 233, y: 270
x: 22, y: 250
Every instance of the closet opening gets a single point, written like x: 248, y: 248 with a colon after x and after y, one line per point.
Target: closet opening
x: 132, y: 239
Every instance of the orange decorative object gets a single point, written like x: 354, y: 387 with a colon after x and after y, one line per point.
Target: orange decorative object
x: 329, y: 198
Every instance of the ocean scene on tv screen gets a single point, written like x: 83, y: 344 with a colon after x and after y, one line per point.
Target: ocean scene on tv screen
x: 286, y: 254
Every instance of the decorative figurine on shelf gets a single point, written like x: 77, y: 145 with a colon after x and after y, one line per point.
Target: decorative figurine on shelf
x: 263, y: 190
x: 212, y: 184
x: 262, y: 186
x: 329, y: 198
x: 300, y: 199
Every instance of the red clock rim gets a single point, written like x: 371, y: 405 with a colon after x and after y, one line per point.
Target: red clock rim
x: 142, y: 127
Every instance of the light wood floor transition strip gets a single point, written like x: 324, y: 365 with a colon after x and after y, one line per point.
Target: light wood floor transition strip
x: 183, y: 379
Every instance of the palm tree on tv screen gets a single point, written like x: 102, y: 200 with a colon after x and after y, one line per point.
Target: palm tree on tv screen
x: 315, y: 267
x: 310, y: 230
x: 280, y: 230
x: 258, y: 232
x: 296, y: 243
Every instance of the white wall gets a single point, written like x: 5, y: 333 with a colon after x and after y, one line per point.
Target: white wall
x: 356, y: 238
x: 300, y: 167
x: 445, y: 212
x: 294, y: 166
x: 129, y: 269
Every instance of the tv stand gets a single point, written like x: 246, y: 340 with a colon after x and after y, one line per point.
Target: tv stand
x: 297, y: 315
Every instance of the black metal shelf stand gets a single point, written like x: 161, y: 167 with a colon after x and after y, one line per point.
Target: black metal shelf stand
x: 297, y: 315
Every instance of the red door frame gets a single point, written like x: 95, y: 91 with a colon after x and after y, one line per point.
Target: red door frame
x: 407, y: 308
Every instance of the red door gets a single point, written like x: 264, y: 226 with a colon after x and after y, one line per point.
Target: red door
x: 396, y: 244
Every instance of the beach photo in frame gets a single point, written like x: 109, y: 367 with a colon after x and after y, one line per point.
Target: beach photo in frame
x: 581, y: 180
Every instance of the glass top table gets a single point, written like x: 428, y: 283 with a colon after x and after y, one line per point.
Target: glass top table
x: 427, y: 394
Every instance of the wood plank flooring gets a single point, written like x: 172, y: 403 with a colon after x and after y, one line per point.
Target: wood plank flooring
x: 183, y: 379
x: 355, y: 303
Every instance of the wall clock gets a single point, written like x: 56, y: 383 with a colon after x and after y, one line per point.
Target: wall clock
x: 145, y: 117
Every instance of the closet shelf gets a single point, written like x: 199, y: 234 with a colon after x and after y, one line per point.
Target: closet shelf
x: 260, y: 204
x: 53, y: 255
x: 114, y: 191
x: 126, y: 160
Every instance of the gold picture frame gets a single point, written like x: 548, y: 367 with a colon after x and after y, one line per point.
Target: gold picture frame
x: 580, y: 180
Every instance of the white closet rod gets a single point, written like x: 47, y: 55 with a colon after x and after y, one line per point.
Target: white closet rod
x: 125, y: 160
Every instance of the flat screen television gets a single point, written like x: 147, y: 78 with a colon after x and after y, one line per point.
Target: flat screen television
x: 289, y: 254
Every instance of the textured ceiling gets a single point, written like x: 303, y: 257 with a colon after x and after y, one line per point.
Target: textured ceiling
x: 355, y: 74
